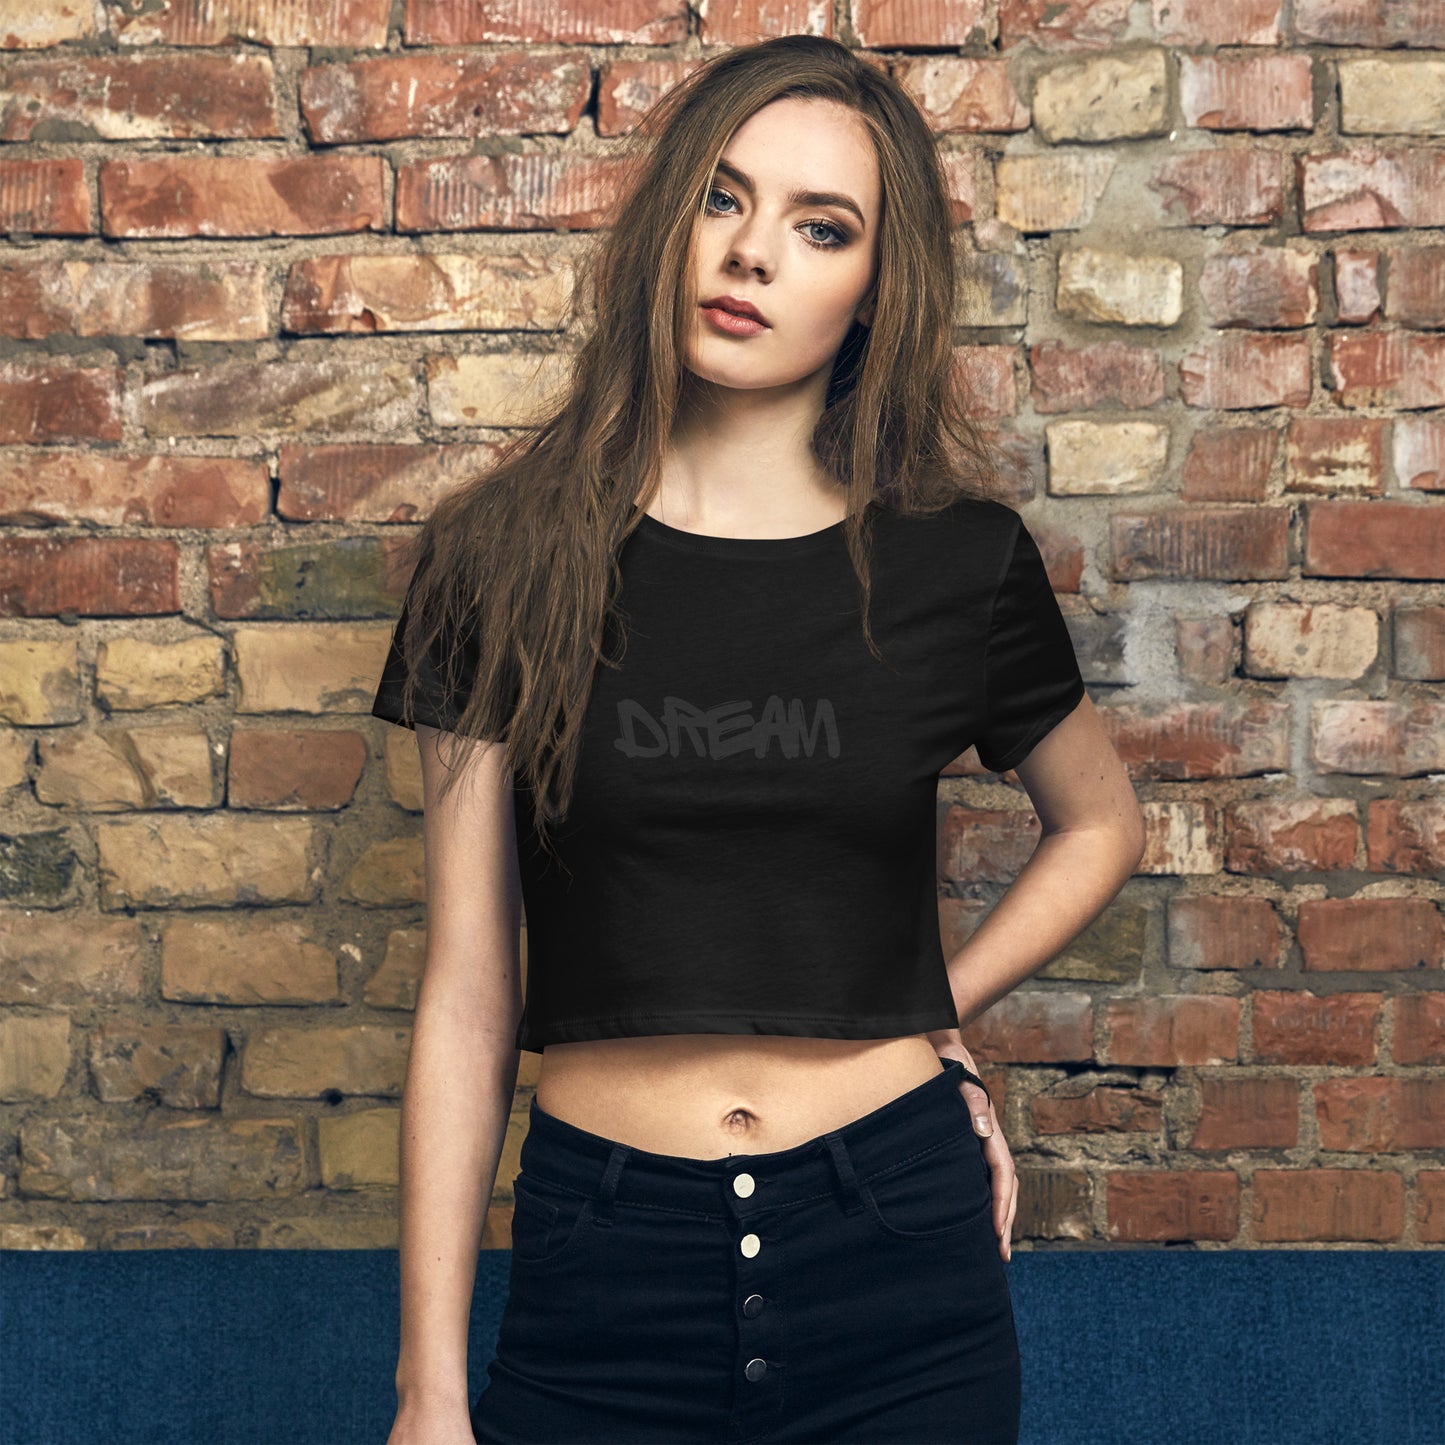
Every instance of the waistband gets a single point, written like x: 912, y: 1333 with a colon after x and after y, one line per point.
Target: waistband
x: 611, y: 1172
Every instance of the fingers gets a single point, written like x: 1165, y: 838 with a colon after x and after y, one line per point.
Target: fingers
x: 980, y: 1107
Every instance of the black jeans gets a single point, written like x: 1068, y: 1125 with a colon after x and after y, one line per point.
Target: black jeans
x: 847, y: 1289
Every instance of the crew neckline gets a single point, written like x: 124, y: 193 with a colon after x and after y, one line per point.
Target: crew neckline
x: 758, y: 547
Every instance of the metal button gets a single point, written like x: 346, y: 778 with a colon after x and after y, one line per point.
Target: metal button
x: 753, y: 1306
x: 750, y: 1244
x: 756, y: 1369
x: 743, y: 1185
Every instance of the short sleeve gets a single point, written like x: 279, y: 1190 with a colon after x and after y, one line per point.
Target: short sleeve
x: 431, y: 703
x: 1032, y: 674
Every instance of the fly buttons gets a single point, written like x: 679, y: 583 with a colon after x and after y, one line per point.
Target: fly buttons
x: 743, y: 1185
x: 753, y: 1306
x: 750, y: 1244
x: 755, y: 1369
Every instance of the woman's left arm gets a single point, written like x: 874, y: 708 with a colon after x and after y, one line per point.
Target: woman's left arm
x: 1091, y: 842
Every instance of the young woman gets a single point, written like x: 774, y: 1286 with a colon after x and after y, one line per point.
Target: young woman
x: 684, y: 667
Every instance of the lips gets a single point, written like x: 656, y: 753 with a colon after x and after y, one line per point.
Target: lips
x: 738, y: 307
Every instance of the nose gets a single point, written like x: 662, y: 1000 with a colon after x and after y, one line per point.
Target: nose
x: 747, y: 252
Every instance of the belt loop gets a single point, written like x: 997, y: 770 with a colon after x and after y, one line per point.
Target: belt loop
x: 607, y: 1189
x: 847, y: 1179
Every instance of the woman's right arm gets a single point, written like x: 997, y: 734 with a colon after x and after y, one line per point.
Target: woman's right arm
x: 460, y: 1077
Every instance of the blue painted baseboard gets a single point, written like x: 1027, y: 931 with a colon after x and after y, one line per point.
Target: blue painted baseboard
x: 1120, y: 1347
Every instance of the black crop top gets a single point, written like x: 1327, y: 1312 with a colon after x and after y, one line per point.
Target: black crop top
x: 751, y: 846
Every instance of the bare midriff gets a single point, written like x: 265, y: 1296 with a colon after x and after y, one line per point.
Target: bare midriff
x: 705, y: 1096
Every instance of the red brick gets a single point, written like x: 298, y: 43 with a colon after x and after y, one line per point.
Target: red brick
x: 622, y: 22
x: 40, y: 404
x: 1420, y: 452
x: 1380, y: 1116
x: 1229, y: 464
x: 1201, y: 739
x: 1295, y: 1206
x: 1103, y: 1110
x: 89, y: 576
x: 1063, y: 555
x: 1221, y: 544
x: 882, y: 23
x: 1331, y: 453
x: 1374, y: 934
x: 1373, y: 539
x: 1407, y: 835
x: 1415, y: 291
x: 1370, y: 22
x: 349, y: 24
x: 1294, y: 1026
x: 628, y: 89
x: 1223, y: 931
x: 960, y: 94
x: 1207, y: 651
x: 103, y: 489
x: 384, y: 482
x: 1240, y: 370
x: 1163, y: 1205
x: 1218, y: 22
x: 1420, y: 1028
x: 1387, y: 368
x: 141, y: 97
x: 1244, y: 1112
x: 1430, y: 1205
x: 510, y: 92
x: 1178, y: 836
x: 981, y: 846
x: 1109, y: 373
x: 1221, y: 188
x: 1396, y: 738
x: 1309, y: 835
x: 1019, y: 457
x: 463, y: 291
x: 327, y: 391
x: 1172, y: 1031
x: 1035, y: 1027
x: 1063, y: 24
x: 743, y: 22
x: 294, y: 768
x: 308, y: 195
x: 957, y: 917
x: 1246, y: 92
x: 216, y: 299
x: 988, y: 373
x: 1368, y: 188
x: 1357, y: 286
x: 960, y: 175
x: 1273, y: 287
x: 507, y: 193
x: 1420, y: 648
x: 46, y: 197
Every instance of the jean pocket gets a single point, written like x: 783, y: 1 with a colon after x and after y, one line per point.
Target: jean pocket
x: 944, y: 1191
x: 548, y: 1221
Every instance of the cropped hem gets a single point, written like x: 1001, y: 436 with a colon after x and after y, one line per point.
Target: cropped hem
x: 823, y: 1026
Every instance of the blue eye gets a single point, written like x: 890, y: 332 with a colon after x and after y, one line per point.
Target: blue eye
x: 841, y: 235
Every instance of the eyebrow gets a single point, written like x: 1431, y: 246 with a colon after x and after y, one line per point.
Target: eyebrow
x: 798, y: 197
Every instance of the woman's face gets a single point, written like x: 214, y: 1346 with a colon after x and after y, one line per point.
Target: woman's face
x: 806, y: 264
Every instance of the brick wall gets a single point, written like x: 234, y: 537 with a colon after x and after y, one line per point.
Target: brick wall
x: 275, y: 274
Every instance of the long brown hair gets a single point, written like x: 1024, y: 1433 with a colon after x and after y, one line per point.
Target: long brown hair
x: 516, y: 571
